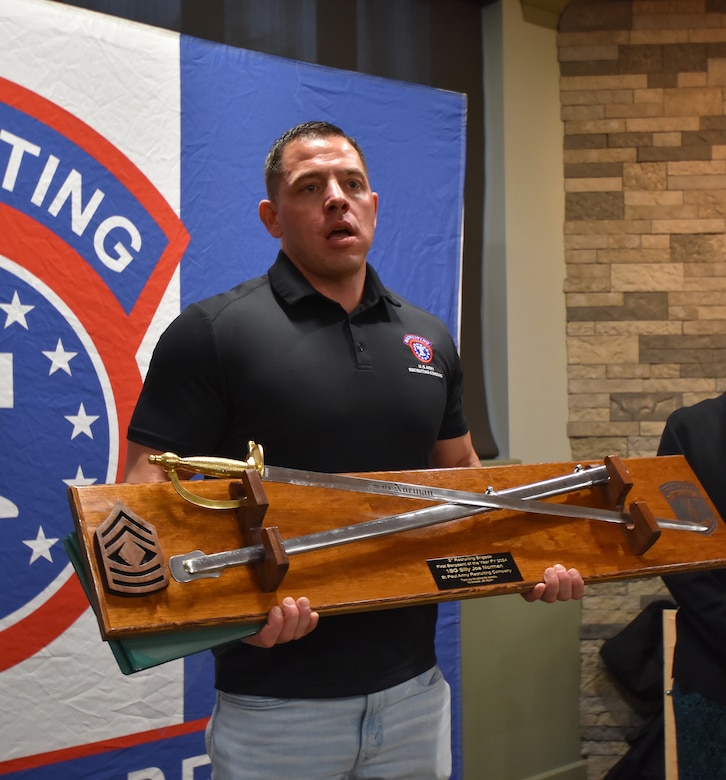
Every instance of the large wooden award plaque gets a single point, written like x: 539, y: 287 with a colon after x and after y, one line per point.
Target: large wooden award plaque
x: 490, y: 553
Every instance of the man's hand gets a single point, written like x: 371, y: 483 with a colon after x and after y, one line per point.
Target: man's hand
x: 560, y: 584
x: 290, y: 620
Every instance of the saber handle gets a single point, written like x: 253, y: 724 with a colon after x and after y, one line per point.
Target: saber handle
x: 209, y: 466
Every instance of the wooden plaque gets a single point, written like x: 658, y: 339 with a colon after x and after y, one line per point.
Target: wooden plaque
x: 491, y: 553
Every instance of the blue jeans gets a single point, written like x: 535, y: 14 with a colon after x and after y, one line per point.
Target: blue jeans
x: 402, y: 733
x: 700, y: 735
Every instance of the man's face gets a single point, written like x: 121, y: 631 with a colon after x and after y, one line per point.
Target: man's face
x: 324, y: 213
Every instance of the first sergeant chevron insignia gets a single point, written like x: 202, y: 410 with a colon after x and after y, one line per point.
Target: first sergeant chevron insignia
x: 130, y: 554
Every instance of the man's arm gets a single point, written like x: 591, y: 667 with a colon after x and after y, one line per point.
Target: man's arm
x: 455, y: 453
x: 138, y: 468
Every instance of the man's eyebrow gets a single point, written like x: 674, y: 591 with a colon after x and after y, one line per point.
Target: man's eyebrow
x: 298, y: 177
x: 356, y: 172
x: 319, y: 174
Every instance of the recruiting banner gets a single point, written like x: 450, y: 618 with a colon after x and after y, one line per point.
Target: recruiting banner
x: 130, y: 173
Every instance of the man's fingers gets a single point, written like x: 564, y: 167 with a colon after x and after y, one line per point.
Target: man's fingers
x: 535, y: 594
x: 559, y: 584
x: 298, y: 619
x: 290, y: 620
x: 578, y: 584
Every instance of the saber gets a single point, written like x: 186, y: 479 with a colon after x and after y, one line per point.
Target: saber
x: 228, y: 468
x: 491, y: 500
x: 196, y: 564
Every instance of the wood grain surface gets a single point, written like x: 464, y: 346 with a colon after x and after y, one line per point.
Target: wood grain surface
x: 389, y: 571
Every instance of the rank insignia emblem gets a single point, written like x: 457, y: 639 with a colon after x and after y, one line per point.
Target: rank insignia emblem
x: 130, y: 554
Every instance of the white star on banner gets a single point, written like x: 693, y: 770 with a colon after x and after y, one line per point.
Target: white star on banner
x: 60, y: 359
x: 81, y: 422
x: 40, y: 546
x: 16, y: 311
x: 80, y: 479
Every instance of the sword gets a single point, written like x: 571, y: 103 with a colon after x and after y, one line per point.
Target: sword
x: 490, y: 500
x: 196, y: 564
x: 228, y: 468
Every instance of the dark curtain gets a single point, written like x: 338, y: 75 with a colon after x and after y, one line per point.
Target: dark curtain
x: 432, y: 42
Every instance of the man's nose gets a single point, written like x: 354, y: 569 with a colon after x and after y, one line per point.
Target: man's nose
x: 336, y: 198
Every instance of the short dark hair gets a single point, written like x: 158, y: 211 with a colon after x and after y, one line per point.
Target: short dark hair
x: 313, y: 129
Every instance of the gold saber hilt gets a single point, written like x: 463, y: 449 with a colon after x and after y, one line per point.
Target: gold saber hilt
x: 224, y: 468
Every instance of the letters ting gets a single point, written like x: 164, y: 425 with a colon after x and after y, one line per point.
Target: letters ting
x: 70, y: 189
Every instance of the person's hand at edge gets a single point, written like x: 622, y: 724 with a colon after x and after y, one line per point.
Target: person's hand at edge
x: 292, y: 619
x: 560, y: 584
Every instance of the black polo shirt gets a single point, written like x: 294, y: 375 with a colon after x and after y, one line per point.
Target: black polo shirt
x: 275, y: 362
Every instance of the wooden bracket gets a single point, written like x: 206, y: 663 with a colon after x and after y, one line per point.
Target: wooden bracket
x: 619, y: 484
x: 644, y: 531
x: 271, y: 570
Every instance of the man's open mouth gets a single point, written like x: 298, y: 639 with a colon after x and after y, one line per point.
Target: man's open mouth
x: 340, y: 232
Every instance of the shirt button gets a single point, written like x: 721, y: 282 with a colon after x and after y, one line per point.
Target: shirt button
x: 360, y: 347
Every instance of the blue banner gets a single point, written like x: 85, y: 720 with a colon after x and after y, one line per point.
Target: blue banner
x: 130, y: 174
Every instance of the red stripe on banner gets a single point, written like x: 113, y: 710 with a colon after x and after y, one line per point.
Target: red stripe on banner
x: 104, y: 746
x: 51, y: 619
x: 51, y: 114
x: 115, y: 335
x: 138, y: 321
x: 126, y: 172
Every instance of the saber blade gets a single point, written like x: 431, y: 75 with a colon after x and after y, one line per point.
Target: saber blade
x: 491, y: 500
x: 196, y: 564
x: 227, y: 468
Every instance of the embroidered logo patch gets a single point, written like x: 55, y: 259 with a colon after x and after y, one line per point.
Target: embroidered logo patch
x: 421, y: 347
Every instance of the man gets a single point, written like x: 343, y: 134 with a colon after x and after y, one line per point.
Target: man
x: 312, y: 361
x: 698, y: 432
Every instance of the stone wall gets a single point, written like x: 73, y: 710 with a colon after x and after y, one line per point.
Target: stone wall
x: 643, y: 85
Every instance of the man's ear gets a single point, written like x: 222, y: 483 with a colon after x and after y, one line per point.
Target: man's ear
x: 268, y: 215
